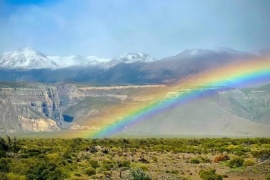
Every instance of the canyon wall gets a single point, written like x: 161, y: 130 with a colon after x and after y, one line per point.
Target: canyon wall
x: 29, y: 107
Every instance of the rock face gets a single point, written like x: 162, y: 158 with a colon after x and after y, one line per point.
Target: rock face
x: 29, y: 107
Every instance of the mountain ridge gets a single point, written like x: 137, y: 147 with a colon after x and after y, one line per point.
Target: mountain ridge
x: 129, y: 68
x: 28, y: 58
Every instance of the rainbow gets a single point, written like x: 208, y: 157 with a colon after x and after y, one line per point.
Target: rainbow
x: 232, y: 75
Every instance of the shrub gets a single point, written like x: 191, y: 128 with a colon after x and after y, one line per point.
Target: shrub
x: 268, y: 177
x: 236, y: 162
x: 3, y: 176
x: 221, y: 158
x: 124, y: 163
x: 209, y: 175
x: 107, y: 164
x: 249, y: 163
x: 105, y: 151
x: 194, y: 161
x: 90, y: 171
x: 12, y: 176
x: 94, y: 163
x: 143, y: 167
x: 4, y: 165
x: 2, y: 154
x: 204, y: 159
x: 138, y: 174
x: 155, y: 159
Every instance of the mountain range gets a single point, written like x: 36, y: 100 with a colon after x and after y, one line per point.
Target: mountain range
x: 28, y: 58
x: 27, y: 64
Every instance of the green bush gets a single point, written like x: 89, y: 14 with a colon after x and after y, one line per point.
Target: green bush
x: 107, y: 164
x: 124, y: 163
x: 236, y: 162
x: 2, y: 154
x: 209, y: 175
x: 268, y: 177
x: 143, y: 167
x: 249, y: 163
x: 90, y: 171
x: 12, y: 176
x: 138, y: 174
x: 194, y: 161
x: 94, y: 163
x: 3, y: 176
x: 4, y: 165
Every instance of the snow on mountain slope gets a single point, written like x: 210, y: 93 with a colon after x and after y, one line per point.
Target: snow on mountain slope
x: 207, y: 52
x: 74, y: 60
x: 68, y: 61
x: 134, y: 57
x: 130, y: 58
x: 96, y: 61
x: 26, y: 58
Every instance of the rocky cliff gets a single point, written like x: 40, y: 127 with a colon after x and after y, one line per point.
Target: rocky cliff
x: 29, y: 107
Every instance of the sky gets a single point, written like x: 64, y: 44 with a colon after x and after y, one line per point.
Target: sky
x: 108, y: 28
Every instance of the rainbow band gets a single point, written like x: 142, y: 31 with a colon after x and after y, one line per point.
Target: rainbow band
x: 232, y: 75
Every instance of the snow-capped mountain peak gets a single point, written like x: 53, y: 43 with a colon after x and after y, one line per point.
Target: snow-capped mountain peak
x: 26, y: 58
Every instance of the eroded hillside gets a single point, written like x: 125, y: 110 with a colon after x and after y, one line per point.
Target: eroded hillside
x: 29, y: 107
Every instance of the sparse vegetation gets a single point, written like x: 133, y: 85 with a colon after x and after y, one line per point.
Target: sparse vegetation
x: 149, y: 158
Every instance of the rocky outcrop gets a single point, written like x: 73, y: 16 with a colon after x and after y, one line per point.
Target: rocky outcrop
x: 40, y: 124
x: 29, y: 107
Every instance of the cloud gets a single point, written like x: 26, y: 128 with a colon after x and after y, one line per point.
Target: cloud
x: 157, y: 27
